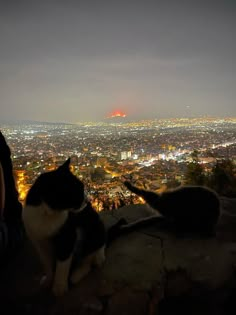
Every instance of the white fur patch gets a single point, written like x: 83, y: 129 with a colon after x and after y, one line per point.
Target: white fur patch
x: 41, y: 222
x: 60, y: 283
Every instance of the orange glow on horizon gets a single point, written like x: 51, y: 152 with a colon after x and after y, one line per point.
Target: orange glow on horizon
x: 116, y: 113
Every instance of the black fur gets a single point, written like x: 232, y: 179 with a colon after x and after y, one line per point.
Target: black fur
x: 191, y: 209
x: 59, y: 189
x: 92, y: 229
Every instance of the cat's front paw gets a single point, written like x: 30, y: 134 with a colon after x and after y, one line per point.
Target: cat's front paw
x: 46, y: 281
x: 59, y: 289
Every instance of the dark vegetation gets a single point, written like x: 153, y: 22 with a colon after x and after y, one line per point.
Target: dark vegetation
x: 221, y: 177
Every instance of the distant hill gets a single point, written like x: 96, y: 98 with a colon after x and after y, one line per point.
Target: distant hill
x: 32, y: 122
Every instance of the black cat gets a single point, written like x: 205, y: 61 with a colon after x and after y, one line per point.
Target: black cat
x: 67, y: 232
x: 187, y: 209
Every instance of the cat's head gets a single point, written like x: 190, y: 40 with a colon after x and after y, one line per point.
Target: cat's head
x: 60, y: 189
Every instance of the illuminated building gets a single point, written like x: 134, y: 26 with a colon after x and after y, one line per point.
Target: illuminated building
x: 124, y: 155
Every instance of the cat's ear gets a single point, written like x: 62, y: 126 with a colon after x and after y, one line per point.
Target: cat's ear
x: 65, y: 166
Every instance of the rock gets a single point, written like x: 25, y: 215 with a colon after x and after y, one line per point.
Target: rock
x: 91, y: 307
x: 207, y: 262
x: 226, y: 228
x: 147, y: 272
x: 180, y: 267
x: 128, y: 302
x: 134, y: 260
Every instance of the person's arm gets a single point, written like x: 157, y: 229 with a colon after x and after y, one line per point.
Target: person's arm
x: 2, y: 192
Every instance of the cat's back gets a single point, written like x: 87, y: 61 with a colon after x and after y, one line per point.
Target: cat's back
x: 196, y: 194
x: 193, y: 208
x: 191, y: 199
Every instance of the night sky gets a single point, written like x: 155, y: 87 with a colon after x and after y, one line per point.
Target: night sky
x: 74, y: 61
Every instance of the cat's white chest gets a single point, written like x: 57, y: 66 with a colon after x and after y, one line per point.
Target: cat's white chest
x: 41, y: 222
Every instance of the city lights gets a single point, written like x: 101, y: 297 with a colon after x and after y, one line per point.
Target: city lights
x: 153, y: 153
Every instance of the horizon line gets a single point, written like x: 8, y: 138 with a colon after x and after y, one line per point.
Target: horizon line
x: 105, y: 119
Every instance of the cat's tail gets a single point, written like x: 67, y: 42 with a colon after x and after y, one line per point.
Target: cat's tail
x: 122, y: 227
x: 149, y: 196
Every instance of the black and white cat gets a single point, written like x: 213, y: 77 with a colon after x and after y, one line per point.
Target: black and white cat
x: 66, y: 231
x: 186, y: 210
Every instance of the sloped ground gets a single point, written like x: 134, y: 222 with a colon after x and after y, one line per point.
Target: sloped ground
x: 145, y: 273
